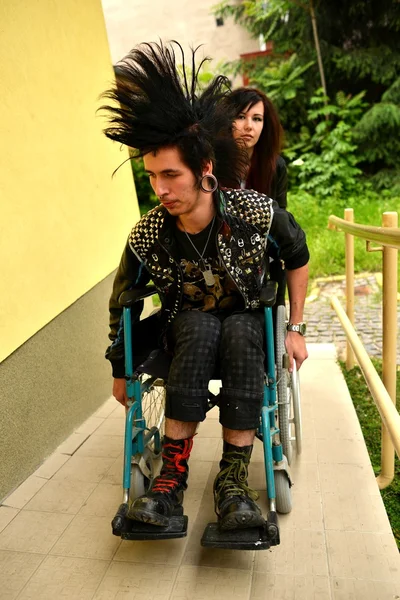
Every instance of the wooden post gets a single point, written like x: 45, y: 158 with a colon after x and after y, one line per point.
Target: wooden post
x: 389, y: 343
x: 349, y: 239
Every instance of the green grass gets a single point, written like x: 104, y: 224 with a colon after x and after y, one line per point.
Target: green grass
x: 156, y: 300
x: 326, y: 246
x: 371, y: 427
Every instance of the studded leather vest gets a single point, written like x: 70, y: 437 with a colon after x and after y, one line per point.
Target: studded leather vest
x: 241, y: 244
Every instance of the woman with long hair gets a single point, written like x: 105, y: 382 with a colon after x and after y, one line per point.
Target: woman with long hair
x: 258, y: 128
x: 257, y: 125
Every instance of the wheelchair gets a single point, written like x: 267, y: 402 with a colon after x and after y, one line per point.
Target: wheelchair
x: 280, y: 427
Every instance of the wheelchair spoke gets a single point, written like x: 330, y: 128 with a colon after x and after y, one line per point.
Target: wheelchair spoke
x: 153, y: 403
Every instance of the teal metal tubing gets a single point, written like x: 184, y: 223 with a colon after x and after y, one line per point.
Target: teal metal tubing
x: 128, y: 352
x: 268, y: 460
x: 270, y: 349
x: 269, y: 407
x: 277, y: 452
x: 133, y: 443
x: 128, y: 445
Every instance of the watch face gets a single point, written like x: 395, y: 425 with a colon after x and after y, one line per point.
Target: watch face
x: 298, y: 327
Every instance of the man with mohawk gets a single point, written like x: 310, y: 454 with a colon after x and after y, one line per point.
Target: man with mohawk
x: 206, y: 248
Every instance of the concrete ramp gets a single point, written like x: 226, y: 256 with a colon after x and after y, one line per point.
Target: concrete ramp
x: 336, y: 544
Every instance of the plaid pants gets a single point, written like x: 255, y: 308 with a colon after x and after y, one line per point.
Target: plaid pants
x: 206, y: 347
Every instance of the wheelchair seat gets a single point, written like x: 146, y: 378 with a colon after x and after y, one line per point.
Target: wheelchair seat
x: 157, y: 364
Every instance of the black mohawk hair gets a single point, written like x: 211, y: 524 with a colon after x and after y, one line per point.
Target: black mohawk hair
x: 156, y: 104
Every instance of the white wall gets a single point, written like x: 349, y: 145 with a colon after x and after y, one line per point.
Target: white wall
x: 130, y: 22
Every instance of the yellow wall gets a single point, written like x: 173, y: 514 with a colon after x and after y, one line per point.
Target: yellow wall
x: 63, y: 220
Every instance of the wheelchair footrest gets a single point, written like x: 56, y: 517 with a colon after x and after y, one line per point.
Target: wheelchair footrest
x: 256, y: 538
x: 128, y: 529
x: 135, y: 530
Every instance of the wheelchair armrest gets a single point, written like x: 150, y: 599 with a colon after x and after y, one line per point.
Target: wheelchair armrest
x: 129, y: 297
x: 268, y: 293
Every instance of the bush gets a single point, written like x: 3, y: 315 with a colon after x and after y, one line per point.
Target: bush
x: 328, y: 167
x: 326, y: 246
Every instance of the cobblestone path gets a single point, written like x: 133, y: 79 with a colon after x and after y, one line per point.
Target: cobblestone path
x: 324, y: 326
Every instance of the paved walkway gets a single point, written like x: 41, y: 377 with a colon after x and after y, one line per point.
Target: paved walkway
x: 56, y: 541
x: 324, y: 326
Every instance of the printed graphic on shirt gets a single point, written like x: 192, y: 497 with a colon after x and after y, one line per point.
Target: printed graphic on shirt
x: 221, y: 296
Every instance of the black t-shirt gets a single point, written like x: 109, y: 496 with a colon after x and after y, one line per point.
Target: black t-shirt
x: 219, y: 293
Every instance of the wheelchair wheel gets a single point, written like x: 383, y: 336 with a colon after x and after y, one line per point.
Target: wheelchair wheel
x: 153, y: 406
x: 147, y: 466
x: 283, y: 495
x: 296, y: 407
x: 283, y: 384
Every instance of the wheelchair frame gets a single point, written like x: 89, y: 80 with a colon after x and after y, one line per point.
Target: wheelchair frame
x: 138, y: 436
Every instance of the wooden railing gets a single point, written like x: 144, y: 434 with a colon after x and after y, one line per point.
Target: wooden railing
x: 382, y: 390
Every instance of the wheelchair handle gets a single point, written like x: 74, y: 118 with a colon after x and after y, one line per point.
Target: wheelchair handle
x: 129, y: 297
x: 268, y: 293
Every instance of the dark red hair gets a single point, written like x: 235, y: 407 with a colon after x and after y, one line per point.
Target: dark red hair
x: 268, y: 147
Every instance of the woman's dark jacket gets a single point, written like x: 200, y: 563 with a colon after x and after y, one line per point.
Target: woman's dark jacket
x: 251, y: 228
x: 279, y: 183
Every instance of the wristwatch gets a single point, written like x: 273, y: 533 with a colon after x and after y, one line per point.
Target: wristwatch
x: 297, y: 327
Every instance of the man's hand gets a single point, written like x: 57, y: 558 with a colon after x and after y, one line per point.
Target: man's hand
x: 119, y: 391
x: 295, y: 343
x: 296, y: 348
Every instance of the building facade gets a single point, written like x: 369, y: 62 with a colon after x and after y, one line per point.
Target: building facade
x: 130, y: 22
x: 64, y: 221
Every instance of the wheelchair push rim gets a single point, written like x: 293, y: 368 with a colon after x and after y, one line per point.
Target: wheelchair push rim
x: 288, y: 388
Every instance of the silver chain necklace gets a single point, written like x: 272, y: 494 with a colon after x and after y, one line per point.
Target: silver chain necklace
x: 205, y: 269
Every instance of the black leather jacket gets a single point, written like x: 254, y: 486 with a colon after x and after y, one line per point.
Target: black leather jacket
x: 251, y: 228
x: 279, y: 183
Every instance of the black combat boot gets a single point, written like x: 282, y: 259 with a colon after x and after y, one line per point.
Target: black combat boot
x: 234, y: 500
x: 156, y: 507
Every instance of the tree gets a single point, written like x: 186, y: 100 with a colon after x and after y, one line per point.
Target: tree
x: 377, y: 135
x: 357, y: 44
x: 257, y: 15
x: 358, y: 40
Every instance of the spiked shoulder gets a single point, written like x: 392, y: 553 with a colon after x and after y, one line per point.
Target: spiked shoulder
x: 251, y: 206
x: 146, y: 231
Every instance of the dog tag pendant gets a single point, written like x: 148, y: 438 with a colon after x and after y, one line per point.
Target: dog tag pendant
x: 208, y: 277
